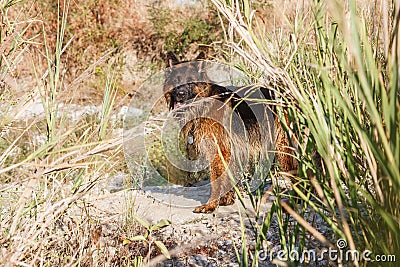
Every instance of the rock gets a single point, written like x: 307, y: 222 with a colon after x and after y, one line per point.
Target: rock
x: 116, y: 182
x: 228, y: 242
x: 201, y: 257
x: 192, y: 260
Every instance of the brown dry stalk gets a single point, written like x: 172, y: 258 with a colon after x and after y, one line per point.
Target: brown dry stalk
x: 315, y: 233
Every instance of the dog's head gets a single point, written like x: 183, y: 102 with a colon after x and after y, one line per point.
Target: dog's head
x: 184, y: 80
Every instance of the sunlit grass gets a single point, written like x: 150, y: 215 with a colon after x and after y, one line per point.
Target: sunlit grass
x: 339, y: 86
x: 335, y: 70
x: 48, y: 163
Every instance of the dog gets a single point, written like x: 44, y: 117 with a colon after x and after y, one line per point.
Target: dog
x: 206, y: 109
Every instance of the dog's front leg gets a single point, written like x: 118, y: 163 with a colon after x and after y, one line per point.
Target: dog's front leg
x: 221, y: 192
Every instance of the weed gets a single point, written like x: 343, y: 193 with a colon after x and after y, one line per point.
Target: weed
x: 338, y: 86
x: 148, y: 236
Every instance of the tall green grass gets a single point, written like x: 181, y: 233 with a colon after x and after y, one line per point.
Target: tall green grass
x: 337, y: 78
x: 339, y: 84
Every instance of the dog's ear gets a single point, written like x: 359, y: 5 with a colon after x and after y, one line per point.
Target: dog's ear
x: 201, y: 56
x: 168, y: 99
x: 171, y: 59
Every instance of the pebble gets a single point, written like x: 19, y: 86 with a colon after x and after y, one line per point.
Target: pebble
x: 201, y: 257
x: 228, y: 242
x: 192, y: 260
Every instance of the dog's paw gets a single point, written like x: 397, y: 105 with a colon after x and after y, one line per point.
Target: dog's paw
x: 207, y: 208
x: 228, y: 199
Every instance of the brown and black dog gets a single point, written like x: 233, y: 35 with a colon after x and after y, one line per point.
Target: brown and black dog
x: 185, y: 86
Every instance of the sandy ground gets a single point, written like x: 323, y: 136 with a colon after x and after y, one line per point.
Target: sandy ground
x: 198, y: 239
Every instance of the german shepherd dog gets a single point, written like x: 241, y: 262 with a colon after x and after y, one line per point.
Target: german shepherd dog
x: 186, y: 85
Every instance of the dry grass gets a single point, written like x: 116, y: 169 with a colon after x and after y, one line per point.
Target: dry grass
x: 53, y: 168
x: 57, y: 59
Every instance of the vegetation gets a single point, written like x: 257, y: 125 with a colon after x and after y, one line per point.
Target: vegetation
x: 191, y: 32
x: 340, y: 82
x: 58, y: 61
x: 148, y: 236
x: 335, y: 69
